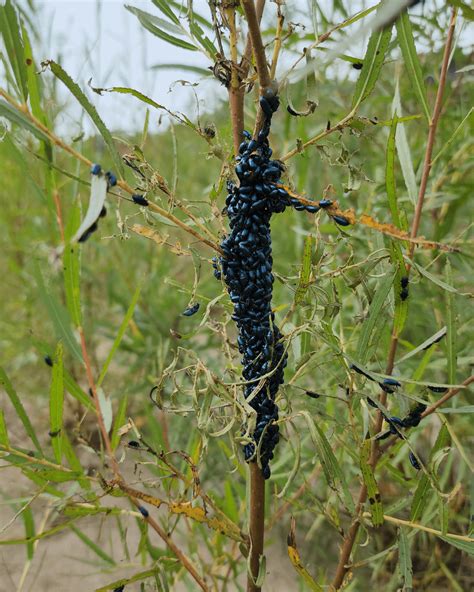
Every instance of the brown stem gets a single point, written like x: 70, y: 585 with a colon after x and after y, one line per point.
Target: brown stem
x: 257, y: 44
x: 236, y: 90
x: 432, y: 129
x: 256, y: 524
x: 246, y: 61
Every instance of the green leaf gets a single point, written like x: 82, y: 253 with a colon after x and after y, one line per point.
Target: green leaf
x: 92, y: 546
x: 305, y: 272
x: 3, y: 431
x: 331, y: 467
x: 57, y: 475
x: 372, y: 64
x: 375, y: 312
x: 469, y: 117
x: 74, y: 462
x: 29, y: 522
x: 451, y: 324
x: 71, y: 270
x: 149, y: 22
x: 412, y: 63
x: 421, y: 492
x: 404, y: 560
x: 42, y: 483
x: 143, y: 575
x: 120, y: 334
x: 390, y: 183
x: 466, y: 546
x: 183, y: 67
x: 467, y: 11
x: 74, y: 88
x: 373, y: 492
x: 75, y: 390
x: 13, y: 115
x: 56, y: 403
x: 166, y: 10
x: 203, y: 40
x: 119, y: 421
x: 20, y: 410
x: 11, y: 35
x: 59, y: 316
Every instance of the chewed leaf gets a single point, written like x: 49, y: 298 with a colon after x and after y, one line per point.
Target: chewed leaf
x: 96, y: 203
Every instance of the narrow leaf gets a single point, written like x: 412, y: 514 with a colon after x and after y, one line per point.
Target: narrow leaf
x: 149, y: 22
x: 10, y: 113
x: 11, y: 35
x: 119, y: 421
x: 373, y: 493
x: 412, y: 63
x: 372, y: 64
x: 56, y: 403
x: 120, y: 334
x: 305, y: 272
x: 92, y: 546
x: 404, y: 560
x: 374, y: 316
x: 3, y: 431
x: 74, y: 88
x: 20, y: 410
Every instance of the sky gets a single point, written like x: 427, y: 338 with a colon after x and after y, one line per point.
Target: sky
x: 102, y: 41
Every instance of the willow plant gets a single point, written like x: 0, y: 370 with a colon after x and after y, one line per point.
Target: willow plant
x: 360, y: 381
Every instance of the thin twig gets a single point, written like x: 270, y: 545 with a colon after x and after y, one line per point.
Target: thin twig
x: 415, y: 525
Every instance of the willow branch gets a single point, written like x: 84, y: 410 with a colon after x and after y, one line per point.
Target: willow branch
x: 257, y: 44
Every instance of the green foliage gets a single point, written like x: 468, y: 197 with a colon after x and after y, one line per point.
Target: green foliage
x: 337, y: 298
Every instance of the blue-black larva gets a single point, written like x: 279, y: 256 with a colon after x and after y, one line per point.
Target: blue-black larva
x: 246, y: 266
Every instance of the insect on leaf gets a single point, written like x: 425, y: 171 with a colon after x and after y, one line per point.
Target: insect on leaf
x: 96, y: 203
x: 373, y: 493
x: 372, y: 64
x: 56, y: 403
x: 404, y: 560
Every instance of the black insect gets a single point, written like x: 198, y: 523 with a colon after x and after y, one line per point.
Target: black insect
x: 191, y: 310
x: 140, y: 200
x: 438, y: 389
x: 54, y: 434
x: 360, y: 371
x: 389, y: 385
x: 88, y: 233
x: 312, y: 394
x: 357, y: 65
x: 415, y: 416
x: 143, y: 511
x: 435, y: 341
x: 325, y: 203
x: 103, y: 212
x: 119, y: 588
x: 111, y: 179
x: 404, y: 294
x: 134, y: 444
x: 48, y: 361
x: 414, y: 461
x: 395, y: 423
x: 341, y: 220
x: 404, y: 281
x: 95, y: 169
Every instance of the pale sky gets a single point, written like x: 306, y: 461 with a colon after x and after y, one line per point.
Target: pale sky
x: 100, y: 39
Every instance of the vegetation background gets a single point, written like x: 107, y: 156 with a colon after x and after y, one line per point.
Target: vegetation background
x: 337, y: 297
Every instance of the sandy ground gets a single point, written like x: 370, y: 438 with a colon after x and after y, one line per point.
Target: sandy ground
x: 64, y: 563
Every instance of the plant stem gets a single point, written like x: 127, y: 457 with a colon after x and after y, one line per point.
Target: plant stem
x: 236, y: 90
x: 349, y: 540
x: 256, y: 524
x: 257, y: 44
x: 433, y: 125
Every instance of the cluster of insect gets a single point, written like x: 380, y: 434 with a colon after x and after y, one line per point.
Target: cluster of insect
x: 246, y: 266
x: 396, y: 424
